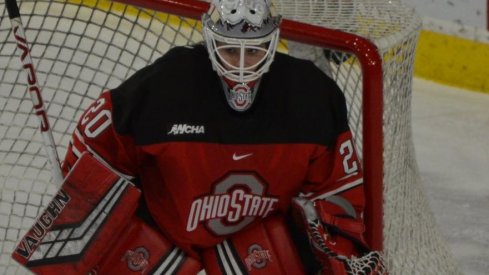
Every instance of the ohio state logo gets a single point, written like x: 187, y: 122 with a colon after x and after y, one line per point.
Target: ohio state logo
x: 237, y: 201
x: 241, y: 96
x: 257, y: 257
x: 137, y: 259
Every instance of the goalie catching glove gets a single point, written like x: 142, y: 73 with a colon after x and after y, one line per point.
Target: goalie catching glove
x: 335, y: 236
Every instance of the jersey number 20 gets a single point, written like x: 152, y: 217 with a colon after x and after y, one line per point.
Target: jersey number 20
x: 96, y: 120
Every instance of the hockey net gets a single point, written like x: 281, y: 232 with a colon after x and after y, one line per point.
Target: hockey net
x: 81, y: 47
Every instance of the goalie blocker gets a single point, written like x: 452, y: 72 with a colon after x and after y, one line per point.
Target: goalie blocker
x: 90, y: 227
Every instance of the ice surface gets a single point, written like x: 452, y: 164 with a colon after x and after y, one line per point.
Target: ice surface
x: 451, y: 137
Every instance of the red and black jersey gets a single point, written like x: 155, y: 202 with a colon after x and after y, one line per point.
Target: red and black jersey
x: 207, y: 171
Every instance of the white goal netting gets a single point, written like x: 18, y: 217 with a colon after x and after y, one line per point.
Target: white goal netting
x: 81, y: 47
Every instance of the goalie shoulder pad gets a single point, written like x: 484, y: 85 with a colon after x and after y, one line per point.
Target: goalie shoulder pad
x: 79, y: 224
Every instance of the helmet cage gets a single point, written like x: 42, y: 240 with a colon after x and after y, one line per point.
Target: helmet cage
x: 241, y: 73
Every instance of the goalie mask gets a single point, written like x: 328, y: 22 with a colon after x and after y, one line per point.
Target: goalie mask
x: 241, y: 37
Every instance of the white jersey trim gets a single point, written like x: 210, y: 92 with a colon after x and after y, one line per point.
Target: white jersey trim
x: 339, y: 190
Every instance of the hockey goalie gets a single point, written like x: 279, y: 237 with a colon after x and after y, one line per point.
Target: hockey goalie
x: 225, y: 156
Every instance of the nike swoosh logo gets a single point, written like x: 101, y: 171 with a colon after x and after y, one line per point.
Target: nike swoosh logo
x: 236, y: 157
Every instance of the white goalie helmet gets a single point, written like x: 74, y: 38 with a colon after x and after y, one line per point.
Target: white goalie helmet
x: 242, y: 27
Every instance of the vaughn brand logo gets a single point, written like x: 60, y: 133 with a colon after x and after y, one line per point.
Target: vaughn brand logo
x: 179, y: 129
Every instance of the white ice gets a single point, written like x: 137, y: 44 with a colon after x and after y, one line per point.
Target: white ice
x: 451, y: 137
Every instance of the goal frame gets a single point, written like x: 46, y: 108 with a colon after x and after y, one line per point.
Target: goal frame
x: 372, y: 103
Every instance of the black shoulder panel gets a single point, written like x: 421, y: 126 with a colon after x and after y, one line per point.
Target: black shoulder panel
x: 156, y: 87
x: 180, y: 98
